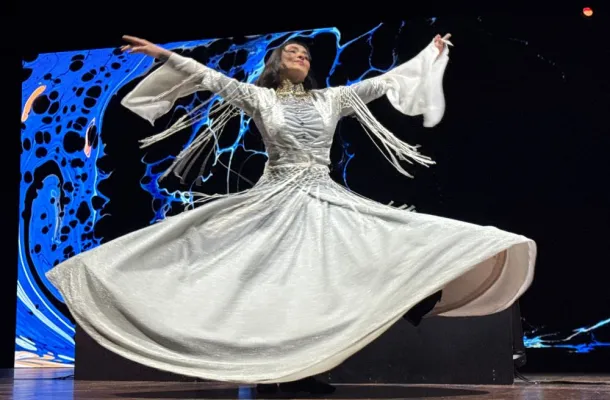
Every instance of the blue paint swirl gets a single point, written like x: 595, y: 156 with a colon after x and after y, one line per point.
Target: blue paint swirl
x: 581, y: 340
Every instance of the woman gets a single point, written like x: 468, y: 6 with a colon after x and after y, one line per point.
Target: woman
x: 291, y: 277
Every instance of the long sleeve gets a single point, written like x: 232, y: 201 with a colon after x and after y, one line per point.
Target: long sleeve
x: 413, y: 88
x: 181, y: 76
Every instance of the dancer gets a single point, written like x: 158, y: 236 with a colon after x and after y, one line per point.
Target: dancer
x: 287, y: 279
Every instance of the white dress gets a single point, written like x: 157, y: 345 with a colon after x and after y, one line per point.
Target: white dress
x: 289, y: 278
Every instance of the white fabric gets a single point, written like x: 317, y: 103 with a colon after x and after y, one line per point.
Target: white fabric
x: 291, y: 277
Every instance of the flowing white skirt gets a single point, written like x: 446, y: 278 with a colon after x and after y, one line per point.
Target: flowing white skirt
x: 283, y: 281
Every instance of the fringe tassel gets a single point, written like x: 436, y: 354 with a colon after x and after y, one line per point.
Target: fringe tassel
x: 403, y: 207
x: 395, y: 149
x: 218, y: 117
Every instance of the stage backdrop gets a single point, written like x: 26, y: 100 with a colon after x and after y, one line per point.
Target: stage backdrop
x: 507, y: 133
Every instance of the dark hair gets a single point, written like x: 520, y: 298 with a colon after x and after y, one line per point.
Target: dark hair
x: 270, y: 77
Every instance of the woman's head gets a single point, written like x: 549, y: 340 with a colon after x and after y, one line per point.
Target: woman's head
x: 290, y: 61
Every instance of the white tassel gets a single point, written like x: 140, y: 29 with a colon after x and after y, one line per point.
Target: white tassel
x: 403, y: 207
x: 219, y: 116
x: 395, y: 149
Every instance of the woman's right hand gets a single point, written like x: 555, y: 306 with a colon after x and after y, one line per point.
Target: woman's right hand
x: 142, y: 46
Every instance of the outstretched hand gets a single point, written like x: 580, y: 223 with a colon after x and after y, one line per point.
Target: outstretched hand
x: 440, y: 42
x: 142, y: 46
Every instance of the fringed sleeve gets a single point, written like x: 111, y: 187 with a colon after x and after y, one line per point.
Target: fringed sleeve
x: 181, y: 76
x: 413, y: 88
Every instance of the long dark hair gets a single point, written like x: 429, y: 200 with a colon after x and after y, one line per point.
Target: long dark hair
x: 270, y: 77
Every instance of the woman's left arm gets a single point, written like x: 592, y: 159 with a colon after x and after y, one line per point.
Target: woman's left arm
x: 413, y: 88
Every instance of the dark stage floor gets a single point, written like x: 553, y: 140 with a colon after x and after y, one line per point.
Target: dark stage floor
x: 57, y: 384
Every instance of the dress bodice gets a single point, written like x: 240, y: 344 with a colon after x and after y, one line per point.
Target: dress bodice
x: 295, y: 132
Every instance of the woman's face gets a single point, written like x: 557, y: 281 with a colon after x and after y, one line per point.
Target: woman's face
x: 295, y: 63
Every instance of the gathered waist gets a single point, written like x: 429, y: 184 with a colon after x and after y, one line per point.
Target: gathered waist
x: 297, y: 166
x: 296, y: 172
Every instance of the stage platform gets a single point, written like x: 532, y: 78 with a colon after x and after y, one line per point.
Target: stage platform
x: 58, y: 384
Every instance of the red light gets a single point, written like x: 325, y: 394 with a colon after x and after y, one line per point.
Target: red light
x: 587, y: 11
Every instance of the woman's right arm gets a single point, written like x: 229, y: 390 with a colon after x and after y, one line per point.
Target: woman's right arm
x: 181, y: 76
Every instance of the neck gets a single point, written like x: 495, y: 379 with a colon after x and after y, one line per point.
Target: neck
x: 287, y: 83
x: 287, y: 87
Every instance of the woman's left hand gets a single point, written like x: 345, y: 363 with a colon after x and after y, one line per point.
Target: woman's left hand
x: 440, y: 42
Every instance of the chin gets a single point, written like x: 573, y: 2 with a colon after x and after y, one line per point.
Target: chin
x: 297, y: 75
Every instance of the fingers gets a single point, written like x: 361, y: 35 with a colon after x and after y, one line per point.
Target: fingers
x: 438, y: 40
x: 446, y: 37
x: 136, y: 45
x: 131, y: 38
x: 132, y: 49
x: 134, y: 40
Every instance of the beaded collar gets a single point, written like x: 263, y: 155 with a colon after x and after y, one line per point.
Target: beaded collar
x: 289, y: 89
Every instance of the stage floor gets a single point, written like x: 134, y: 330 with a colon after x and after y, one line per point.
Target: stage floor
x: 57, y: 384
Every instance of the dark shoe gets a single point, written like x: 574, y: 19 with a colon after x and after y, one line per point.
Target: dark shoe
x: 267, y: 388
x: 421, y: 309
x: 308, y: 385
